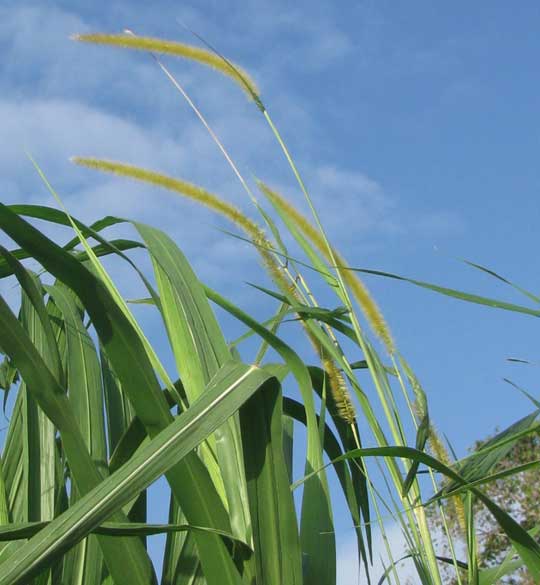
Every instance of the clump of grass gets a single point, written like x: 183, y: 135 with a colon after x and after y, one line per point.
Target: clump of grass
x: 217, y: 497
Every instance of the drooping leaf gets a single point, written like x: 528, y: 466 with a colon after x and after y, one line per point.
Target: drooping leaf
x: 450, y: 292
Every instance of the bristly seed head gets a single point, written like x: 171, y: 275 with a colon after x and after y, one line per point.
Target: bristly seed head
x: 358, y: 289
x: 202, y: 196
x: 339, y: 393
x: 130, y: 41
x: 457, y: 510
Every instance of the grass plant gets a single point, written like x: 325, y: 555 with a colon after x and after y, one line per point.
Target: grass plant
x: 97, y: 418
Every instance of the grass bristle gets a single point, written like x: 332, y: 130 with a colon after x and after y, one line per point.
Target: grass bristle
x: 175, y: 49
x: 457, y: 509
x: 358, y: 289
x: 202, y: 196
x: 341, y: 399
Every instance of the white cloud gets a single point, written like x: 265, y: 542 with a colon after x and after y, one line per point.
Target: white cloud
x: 351, y: 198
x: 355, y: 206
x: 59, y: 128
x: 54, y: 130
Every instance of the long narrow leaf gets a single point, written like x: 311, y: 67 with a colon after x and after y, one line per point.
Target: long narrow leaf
x: 450, y: 292
x: 277, y: 555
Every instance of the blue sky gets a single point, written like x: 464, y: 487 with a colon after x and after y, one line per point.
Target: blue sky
x: 415, y: 125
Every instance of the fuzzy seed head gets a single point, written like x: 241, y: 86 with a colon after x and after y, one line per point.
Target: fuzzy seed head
x: 358, y: 289
x: 339, y: 392
x: 204, y: 197
x: 130, y: 41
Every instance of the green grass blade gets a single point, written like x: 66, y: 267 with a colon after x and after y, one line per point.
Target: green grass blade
x: 490, y: 478
x: 358, y: 500
x: 423, y: 429
x: 84, y: 375
x: 450, y: 292
x: 384, y: 577
x: 480, y: 464
x: 4, y: 505
x: 527, y: 548
x: 54, y: 402
x: 99, y: 250
x: 352, y: 489
x: 84, y: 562
x: 27, y: 530
x: 180, y: 556
x: 277, y: 557
x: 12, y: 463
x: 35, y: 309
x: 39, y: 454
x: 200, y: 349
x: 528, y: 294
x: 288, y: 442
x: 15, y: 479
x: 120, y: 412
x: 493, y: 575
x: 529, y: 396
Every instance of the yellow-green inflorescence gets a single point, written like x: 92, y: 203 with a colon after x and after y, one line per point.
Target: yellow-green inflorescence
x: 340, y: 397
x: 457, y: 509
x: 175, y: 49
x: 357, y: 287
